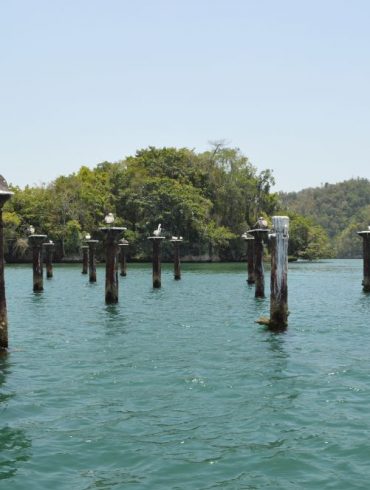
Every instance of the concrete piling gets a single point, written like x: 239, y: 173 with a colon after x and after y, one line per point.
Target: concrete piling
x: 92, y: 259
x: 111, y: 237
x: 85, y: 259
x: 156, y: 240
x: 260, y: 236
x: 36, y: 242
x: 365, y: 235
x: 5, y: 194
x: 176, y: 258
x: 123, y: 244
x: 49, y: 249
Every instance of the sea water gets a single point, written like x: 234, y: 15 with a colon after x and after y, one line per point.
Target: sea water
x: 179, y: 388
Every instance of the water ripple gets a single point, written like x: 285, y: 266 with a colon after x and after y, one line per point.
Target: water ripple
x: 178, y: 388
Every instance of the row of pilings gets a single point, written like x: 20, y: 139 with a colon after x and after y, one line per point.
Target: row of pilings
x: 111, y: 236
x: 113, y: 257
x: 114, y: 253
x: 277, y: 239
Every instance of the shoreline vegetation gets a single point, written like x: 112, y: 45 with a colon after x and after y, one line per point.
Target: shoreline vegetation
x: 209, y: 198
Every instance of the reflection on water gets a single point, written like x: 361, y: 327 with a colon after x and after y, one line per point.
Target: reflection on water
x: 113, y: 319
x: 112, y: 311
x: 37, y: 297
x: 14, y: 445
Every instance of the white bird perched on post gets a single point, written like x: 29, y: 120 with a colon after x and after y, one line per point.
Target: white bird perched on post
x: 31, y: 230
x: 157, y: 232
x: 261, y: 223
x: 109, y: 219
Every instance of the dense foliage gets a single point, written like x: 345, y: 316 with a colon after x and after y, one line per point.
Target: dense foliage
x: 341, y: 209
x: 209, y: 198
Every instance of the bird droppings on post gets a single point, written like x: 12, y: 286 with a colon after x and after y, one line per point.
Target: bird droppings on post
x: 250, y: 257
x: 176, y: 240
x: 49, y: 249
x: 36, y: 242
x: 156, y: 260
x: 111, y: 236
x: 123, y: 244
x: 365, y: 235
x: 5, y: 194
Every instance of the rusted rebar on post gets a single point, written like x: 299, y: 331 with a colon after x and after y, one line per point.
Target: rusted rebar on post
x: 5, y: 194
x: 260, y: 236
x: 49, y: 249
x: 92, y: 259
x: 365, y: 235
x: 176, y: 258
x: 123, y: 244
x: 111, y: 237
x: 85, y: 258
x: 279, y: 273
x: 156, y: 240
x: 250, y: 257
x: 36, y: 242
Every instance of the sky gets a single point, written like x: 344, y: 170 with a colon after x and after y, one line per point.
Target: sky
x: 86, y: 81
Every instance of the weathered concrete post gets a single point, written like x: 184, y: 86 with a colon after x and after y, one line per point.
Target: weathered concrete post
x: 176, y: 258
x: 156, y: 240
x: 5, y: 194
x: 36, y: 242
x: 49, y: 249
x: 366, y: 257
x: 85, y: 258
x: 123, y: 244
x: 279, y: 273
x: 260, y: 236
x: 111, y: 237
x: 92, y: 259
x: 250, y: 257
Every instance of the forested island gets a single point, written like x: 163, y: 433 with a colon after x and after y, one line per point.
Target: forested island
x: 209, y: 198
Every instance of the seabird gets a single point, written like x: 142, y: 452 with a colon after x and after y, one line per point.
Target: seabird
x: 109, y: 219
x: 262, y: 223
x: 157, y: 232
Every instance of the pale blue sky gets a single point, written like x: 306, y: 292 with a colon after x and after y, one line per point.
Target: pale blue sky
x: 84, y: 81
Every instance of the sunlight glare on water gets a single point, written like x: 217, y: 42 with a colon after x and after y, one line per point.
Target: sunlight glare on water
x: 179, y: 388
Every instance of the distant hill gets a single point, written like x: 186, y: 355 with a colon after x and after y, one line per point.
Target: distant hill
x: 342, y: 209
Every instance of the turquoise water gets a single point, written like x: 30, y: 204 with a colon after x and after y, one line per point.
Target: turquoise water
x: 178, y: 388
